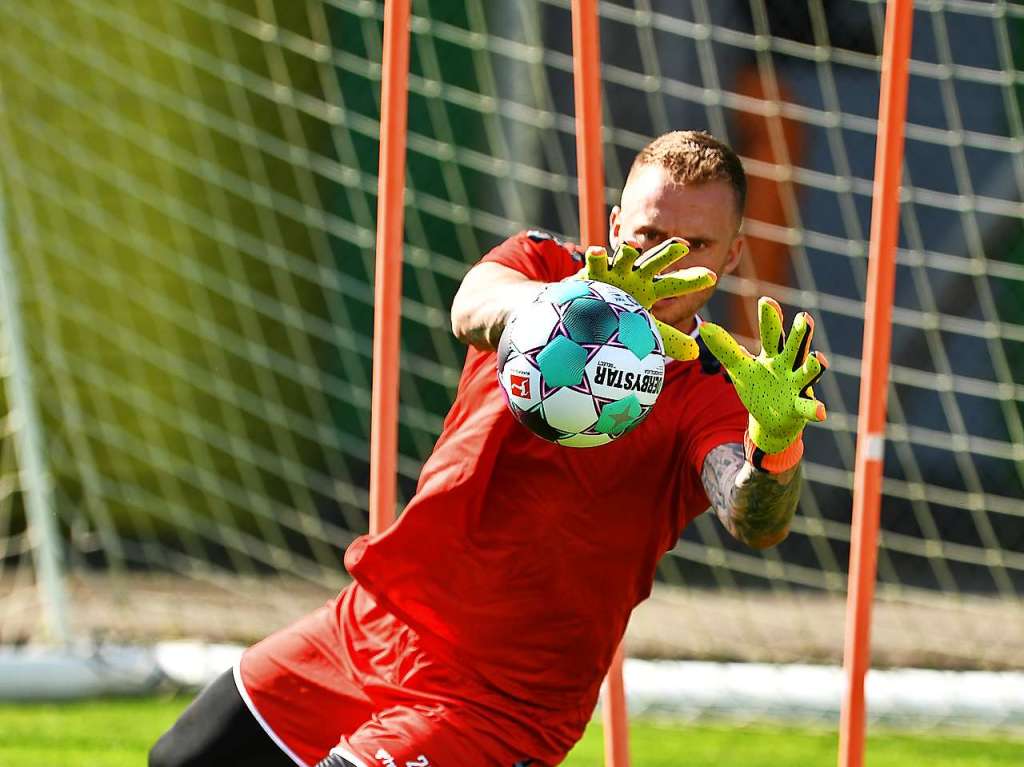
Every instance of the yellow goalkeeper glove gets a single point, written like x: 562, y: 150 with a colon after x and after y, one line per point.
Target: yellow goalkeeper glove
x: 645, y: 283
x: 774, y: 386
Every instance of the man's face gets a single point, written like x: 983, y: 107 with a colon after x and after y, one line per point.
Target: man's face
x: 655, y: 208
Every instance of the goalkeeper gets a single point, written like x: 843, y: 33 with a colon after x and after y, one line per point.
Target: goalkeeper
x: 478, y: 627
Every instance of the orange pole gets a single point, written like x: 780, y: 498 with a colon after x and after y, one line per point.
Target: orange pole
x: 388, y: 271
x: 892, y: 112
x: 586, y: 68
x: 615, y: 715
x: 593, y: 230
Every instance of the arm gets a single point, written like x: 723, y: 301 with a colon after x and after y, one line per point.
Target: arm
x: 755, y: 487
x: 488, y: 294
x: 755, y: 506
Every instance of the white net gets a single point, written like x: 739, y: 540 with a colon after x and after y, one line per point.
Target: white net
x: 192, y: 191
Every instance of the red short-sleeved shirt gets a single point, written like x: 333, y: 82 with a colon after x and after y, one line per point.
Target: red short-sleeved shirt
x: 522, y: 560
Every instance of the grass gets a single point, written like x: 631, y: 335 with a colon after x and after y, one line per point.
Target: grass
x: 117, y: 733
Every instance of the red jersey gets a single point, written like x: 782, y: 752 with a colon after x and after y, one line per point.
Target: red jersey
x: 522, y: 560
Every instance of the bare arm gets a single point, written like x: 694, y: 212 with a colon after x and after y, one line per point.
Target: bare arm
x: 489, y: 292
x: 754, y: 506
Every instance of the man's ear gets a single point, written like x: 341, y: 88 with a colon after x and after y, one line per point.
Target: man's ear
x: 736, y: 250
x: 614, y: 227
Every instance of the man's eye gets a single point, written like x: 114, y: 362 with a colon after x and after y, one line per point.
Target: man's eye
x: 647, y: 241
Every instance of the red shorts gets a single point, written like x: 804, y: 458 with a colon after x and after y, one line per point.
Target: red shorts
x: 352, y: 678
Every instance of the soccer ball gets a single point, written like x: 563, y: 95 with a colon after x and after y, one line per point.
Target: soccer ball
x: 581, y: 364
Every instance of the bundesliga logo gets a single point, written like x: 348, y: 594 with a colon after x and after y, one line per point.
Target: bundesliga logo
x: 519, y: 385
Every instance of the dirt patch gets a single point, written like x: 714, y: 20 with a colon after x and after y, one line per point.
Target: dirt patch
x: 924, y: 630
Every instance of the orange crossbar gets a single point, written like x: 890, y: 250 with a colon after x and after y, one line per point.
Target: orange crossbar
x: 388, y: 271
x: 593, y: 230
x: 892, y: 112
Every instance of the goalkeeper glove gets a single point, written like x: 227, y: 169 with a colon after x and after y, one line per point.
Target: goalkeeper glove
x: 644, y: 283
x: 774, y: 386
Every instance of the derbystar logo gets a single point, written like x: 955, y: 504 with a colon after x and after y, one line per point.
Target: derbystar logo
x: 519, y: 385
x: 608, y: 375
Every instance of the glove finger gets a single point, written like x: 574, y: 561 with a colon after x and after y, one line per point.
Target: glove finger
x: 625, y: 257
x: 597, y: 262
x: 684, y: 281
x: 770, y: 324
x: 678, y: 345
x: 812, y: 370
x: 795, y: 351
x: 663, y: 256
x: 726, y: 349
x: 810, y: 409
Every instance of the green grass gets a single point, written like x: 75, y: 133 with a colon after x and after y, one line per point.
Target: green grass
x: 118, y: 733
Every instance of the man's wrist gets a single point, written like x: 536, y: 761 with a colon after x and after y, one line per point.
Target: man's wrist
x: 773, y: 463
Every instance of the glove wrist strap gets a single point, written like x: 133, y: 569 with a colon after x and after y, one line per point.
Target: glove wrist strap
x: 773, y: 463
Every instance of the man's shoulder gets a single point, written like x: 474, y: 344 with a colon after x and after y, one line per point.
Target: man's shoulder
x: 538, y: 254
x: 542, y: 240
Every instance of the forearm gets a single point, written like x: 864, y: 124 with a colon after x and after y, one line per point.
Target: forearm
x: 754, y: 506
x: 484, y: 302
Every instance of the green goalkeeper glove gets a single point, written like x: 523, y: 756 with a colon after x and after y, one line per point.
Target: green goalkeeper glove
x: 647, y: 286
x: 774, y: 386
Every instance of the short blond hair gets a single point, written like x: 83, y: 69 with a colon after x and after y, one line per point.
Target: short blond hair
x: 695, y: 157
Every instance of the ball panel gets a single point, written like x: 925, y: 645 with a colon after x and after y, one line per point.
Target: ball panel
x: 659, y: 345
x: 617, y: 417
x: 567, y: 290
x: 570, y: 410
x: 614, y: 295
x: 531, y: 325
x: 505, y: 347
x: 534, y: 421
x: 562, y: 362
x: 635, y: 334
x: 589, y: 321
x: 585, y: 440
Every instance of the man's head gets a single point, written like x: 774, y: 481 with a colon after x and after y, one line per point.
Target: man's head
x: 684, y: 184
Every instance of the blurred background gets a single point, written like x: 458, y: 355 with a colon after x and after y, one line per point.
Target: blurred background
x: 188, y: 193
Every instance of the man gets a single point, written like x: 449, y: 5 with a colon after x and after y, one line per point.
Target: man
x: 480, y: 625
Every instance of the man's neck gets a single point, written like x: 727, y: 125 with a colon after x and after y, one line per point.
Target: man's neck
x: 689, y: 325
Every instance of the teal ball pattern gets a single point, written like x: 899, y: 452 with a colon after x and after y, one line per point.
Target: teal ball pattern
x: 561, y: 362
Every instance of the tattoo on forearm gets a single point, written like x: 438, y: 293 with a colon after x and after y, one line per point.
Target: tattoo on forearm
x: 756, y: 507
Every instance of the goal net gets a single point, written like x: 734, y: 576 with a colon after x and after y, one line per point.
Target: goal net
x: 191, y: 189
